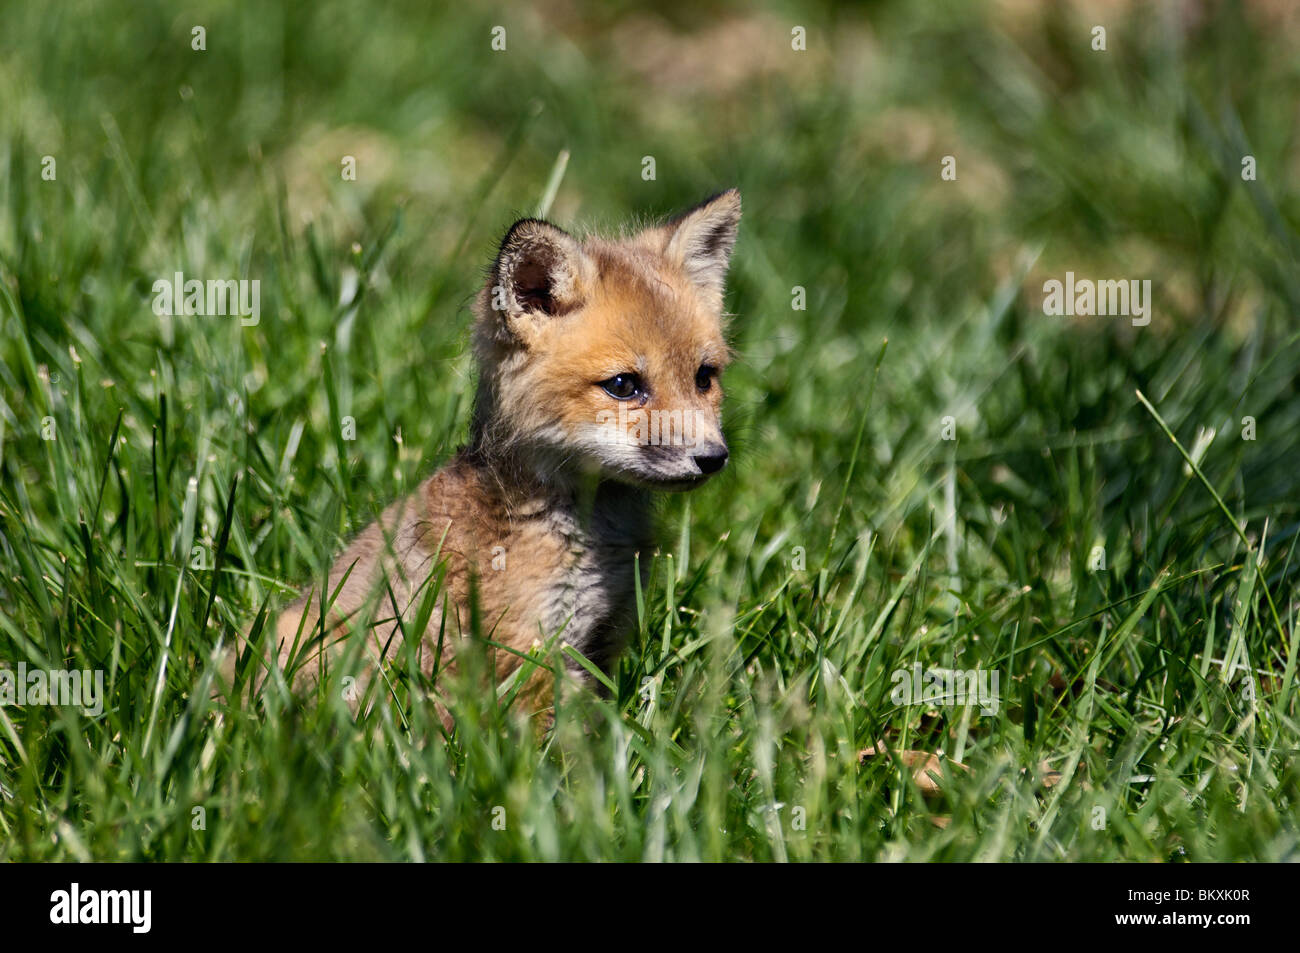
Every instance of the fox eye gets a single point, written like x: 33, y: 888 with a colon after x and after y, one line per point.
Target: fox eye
x: 704, y: 376
x: 622, y: 386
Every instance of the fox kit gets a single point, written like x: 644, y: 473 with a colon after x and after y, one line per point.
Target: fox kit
x: 598, y: 383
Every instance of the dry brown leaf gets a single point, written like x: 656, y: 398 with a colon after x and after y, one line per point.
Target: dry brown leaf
x: 928, y: 769
x: 1049, y: 777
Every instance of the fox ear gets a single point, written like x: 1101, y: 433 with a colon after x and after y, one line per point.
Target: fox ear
x: 700, y: 242
x: 539, y: 271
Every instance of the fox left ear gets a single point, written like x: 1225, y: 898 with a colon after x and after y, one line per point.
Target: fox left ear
x: 540, y: 272
x: 700, y: 241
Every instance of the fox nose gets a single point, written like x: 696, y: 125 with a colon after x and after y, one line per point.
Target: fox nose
x: 712, y: 460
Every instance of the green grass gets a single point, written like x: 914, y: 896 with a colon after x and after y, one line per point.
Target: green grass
x: 198, y: 467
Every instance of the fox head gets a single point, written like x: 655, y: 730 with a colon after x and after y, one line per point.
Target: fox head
x: 604, y: 356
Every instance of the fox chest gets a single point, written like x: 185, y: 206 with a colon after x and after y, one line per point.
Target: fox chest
x: 582, y: 578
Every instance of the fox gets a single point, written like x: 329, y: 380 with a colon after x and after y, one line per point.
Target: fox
x: 536, y: 522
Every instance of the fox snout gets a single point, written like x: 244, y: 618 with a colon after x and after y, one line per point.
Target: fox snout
x: 711, y: 458
x: 680, y: 466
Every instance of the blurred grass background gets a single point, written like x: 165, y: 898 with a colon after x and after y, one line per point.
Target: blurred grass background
x: 771, y: 673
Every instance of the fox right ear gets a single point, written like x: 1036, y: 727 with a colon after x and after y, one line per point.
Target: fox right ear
x: 539, y: 272
x: 700, y: 240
